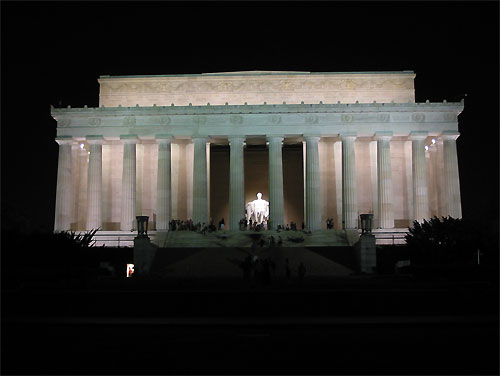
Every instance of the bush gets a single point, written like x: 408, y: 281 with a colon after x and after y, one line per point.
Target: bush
x: 443, y: 241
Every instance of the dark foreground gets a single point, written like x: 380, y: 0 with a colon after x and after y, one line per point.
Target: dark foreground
x: 392, y: 326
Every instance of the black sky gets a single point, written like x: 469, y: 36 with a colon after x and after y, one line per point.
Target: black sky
x: 53, y: 53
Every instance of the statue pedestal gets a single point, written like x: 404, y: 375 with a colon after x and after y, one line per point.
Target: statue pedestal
x: 366, y: 253
x: 144, y: 254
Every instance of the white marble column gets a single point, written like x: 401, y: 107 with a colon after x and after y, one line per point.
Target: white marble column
x: 384, y: 177
x: 128, y: 221
x: 276, y: 199
x: 419, y: 175
x: 236, y: 182
x: 200, y: 192
x: 163, y: 193
x: 64, y: 198
x: 451, y: 177
x: 94, y: 183
x: 313, y: 198
x: 349, y: 198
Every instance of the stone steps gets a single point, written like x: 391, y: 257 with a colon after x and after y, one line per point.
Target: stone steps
x: 221, y: 239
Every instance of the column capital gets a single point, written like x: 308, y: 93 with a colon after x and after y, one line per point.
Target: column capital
x: 450, y: 135
x: 236, y: 139
x: 274, y: 138
x: 383, y: 135
x: 163, y: 139
x: 418, y: 135
x: 64, y: 140
x: 129, y: 138
x: 95, y: 139
x: 199, y: 139
x: 348, y: 135
x: 312, y: 137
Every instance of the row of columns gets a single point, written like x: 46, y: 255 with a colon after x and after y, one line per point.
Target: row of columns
x: 236, y: 189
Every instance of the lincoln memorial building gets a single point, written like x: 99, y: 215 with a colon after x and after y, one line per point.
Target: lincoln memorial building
x: 201, y: 146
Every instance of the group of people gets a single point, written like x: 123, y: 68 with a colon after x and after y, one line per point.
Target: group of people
x: 260, y: 270
x: 264, y: 270
x: 189, y: 225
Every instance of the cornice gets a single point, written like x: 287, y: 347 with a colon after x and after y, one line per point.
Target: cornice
x: 258, y: 109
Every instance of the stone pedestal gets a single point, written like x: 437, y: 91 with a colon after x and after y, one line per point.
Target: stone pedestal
x: 144, y: 254
x: 163, y: 192
x: 276, y: 199
x: 236, y: 182
x: 366, y: 253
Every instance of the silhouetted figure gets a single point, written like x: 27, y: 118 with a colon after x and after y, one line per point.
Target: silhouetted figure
x: 221, y: 224
x: 272, y: 242
x: 303, y: 226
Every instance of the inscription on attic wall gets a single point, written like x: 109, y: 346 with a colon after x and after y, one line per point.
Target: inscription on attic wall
x: 200, y: 90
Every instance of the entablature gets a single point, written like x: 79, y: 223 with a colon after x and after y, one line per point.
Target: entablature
x: 325, y: 119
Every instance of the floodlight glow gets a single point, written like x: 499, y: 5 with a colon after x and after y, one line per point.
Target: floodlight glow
x: 81, y: 146
x: 433, y: 141
x: 426, y: 147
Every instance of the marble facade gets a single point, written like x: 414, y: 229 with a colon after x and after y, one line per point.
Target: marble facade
x: 359, y: 141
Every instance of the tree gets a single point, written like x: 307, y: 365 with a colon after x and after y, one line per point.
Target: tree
x: 442, y: 241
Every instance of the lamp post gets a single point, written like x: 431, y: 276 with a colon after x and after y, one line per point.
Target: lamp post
x: 142, y: 225
x: 366, y: 223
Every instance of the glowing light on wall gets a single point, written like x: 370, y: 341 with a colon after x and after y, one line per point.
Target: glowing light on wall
x: 433, y: 141
x: 130, y: 270
x: 426, y: 148
x: 81, y: 146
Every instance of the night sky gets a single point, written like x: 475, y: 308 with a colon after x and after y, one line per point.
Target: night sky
x: 53, y: 53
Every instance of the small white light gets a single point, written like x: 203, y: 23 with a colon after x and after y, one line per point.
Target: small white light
x: 81, y: 146
x: 426, y: 148
x: 89, y: 151
x: 433, y: 141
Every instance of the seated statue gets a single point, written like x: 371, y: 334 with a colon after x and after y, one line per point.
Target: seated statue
x: 258, y: 210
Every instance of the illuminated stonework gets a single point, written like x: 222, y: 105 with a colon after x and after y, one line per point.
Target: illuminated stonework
x: 363, y: 137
